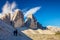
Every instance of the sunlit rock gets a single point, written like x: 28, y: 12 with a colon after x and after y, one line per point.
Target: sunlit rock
x: 18, y: 18
x: 31, y: 21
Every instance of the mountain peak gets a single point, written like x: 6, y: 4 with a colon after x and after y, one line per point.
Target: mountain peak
x: 17, y: 10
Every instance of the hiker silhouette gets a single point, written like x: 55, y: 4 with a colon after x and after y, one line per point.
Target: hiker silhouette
x: 15, y: 32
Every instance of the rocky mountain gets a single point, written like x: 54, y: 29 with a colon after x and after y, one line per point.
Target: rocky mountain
x: 17, y: 21
x: 18, y: 18
x: 31, y: 21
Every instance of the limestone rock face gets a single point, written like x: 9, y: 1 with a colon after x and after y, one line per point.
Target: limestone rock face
x: 6, y: 18
x: 18, y: 18
x: 31, y: 21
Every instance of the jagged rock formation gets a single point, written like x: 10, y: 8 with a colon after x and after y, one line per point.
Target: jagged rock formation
x: 18, y: 19
x: 31, y: 21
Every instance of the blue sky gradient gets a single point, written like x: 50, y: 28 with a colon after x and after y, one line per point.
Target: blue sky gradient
x: 49, y: 14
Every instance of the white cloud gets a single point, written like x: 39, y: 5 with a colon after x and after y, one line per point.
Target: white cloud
x: 1, y: 15
x: 32, y: 11
x: 24, y: 10
x: 13, y: 6
x: 8, y: 8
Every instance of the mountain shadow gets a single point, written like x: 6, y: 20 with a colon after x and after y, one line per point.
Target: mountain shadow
x: 40, y: 26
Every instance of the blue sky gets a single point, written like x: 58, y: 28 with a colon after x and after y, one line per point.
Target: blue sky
x: 49, y: 14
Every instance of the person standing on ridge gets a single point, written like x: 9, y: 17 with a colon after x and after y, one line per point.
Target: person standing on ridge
x: 15, y: 32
